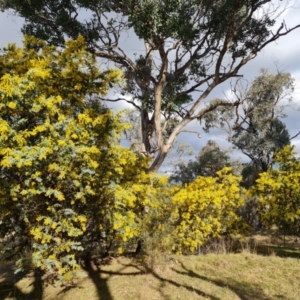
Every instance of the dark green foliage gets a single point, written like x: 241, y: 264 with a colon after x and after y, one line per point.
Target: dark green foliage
x: 260, y: 142
x: 249, y: 174
x: 210, y: 160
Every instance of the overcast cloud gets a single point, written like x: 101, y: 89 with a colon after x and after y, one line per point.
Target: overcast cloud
x: 283, y: 55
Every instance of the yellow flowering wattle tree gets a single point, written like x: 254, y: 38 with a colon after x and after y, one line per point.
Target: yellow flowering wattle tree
x: 60, y: 161
x: 188, y: 215
x: 206, y: 208
x: 279, y: 192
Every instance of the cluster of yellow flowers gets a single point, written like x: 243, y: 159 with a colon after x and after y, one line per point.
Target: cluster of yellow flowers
x: 279, y: 192
x: 52, y: 144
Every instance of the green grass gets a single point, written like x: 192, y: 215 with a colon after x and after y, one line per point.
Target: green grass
x: 278, y: 251
x: 217, y: 277
x: 270, y: 272
x: 270, y: 242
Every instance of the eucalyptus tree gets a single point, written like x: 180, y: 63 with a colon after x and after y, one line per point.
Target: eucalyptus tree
x: 210, y: 160
x: 254, y: 126
x: 190, y: 47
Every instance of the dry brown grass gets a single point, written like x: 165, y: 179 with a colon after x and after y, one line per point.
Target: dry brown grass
x: 218, y: 277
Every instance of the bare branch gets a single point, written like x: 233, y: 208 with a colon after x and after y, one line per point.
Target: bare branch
x: 294, y: 136
x: 190, y: 131
x: 212, y: 107
x: 119, y: 99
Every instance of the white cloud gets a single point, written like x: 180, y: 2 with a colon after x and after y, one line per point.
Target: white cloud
x: 10, y: 29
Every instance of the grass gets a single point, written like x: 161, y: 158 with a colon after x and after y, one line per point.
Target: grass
x: 271, y: 272
x: 269, y: 242
x: 217, y: 277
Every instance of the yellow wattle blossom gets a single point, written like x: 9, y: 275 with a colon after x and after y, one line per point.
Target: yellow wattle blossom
x: 12, y: 105
x: 278, y: 190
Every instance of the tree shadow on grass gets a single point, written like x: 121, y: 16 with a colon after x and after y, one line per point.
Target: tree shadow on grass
x: 92, y: 266
x: 9, y: 289
x: 244, y: 290
x: 101, y: 277
x: 93, y: 269
x: 164, y: 281
x: 268, y: 250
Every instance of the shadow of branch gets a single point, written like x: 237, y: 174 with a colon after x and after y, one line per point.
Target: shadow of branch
x: 101, y: 277
x: 244, y: 290
x: 9, y: 289
x: 172, y: 282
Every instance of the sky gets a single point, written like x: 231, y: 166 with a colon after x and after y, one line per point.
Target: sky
x: 283, y: 55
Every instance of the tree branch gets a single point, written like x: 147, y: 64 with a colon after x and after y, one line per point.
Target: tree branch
x: 119, y: 99
x: 190, y: 131
x: 294, y: 136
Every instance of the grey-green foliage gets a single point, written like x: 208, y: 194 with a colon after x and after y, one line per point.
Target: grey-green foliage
x: 210, y: 160
x: 255, y: 125
x: 261, y: 139
x: 191, y: 46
